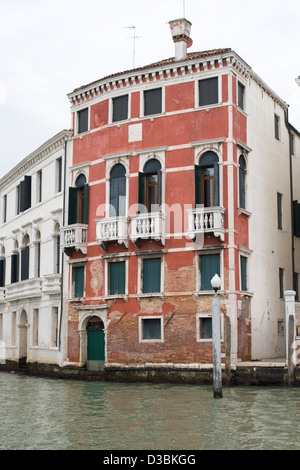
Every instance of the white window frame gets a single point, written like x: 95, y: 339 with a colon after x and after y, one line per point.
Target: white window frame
x: 214, y: 251
x: 151, y: 317
x: 163, y: 101
x: 76, y: 123
x: 220, y: 98
x: 115, y: 259
x: 111, y: 109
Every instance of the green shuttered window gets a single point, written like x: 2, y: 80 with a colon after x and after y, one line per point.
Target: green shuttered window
x: 83, y: 120
x: 152, y: 101
x: 151, y: 275
x: 78, y: 279
x: 208, y: 91
x: 117, y: 278
x: 244, y: 286
x: 120, y: 108
x: 209, y: 266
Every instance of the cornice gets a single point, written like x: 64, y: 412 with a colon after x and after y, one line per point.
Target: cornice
x: 158, y: 73
x: 50, y: 146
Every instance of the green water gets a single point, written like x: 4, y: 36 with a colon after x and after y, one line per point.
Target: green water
x: 48, y: 414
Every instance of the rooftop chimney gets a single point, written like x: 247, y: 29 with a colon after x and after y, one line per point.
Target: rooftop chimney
x: 180, y: 30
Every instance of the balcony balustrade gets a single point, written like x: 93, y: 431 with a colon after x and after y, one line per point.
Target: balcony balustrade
x: 148, y: 226
x: 112, y: 229
x: 51, y: 284
x: 206, y: 220
x: 24, y: 289
x: 74, y: 237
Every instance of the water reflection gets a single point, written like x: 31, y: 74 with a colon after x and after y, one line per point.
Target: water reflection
x: 39, y: 413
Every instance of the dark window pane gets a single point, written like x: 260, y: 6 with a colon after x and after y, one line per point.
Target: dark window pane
x: 2, y: 272
x: 120, y: 108
x: 244, y: 286
x: 152, y: 101
x: 208, y: 91
x: 151, y: 275
x: 205, y: 328
x: 25, y: 263
x: 79, y: 281
x: 14, y: 267
x: 279, y: 211
x: 117, y: 278
x: 151, y: 328
x: 241, y: 91
x: 209, y: 266
x: 276, y: 124
x: 281, y: 288
x: 82, y: 120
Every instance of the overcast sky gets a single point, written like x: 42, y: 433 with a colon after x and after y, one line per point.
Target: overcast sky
x: 50, y: 47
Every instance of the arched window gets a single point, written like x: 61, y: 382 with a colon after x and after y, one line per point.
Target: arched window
x: 117, y: 196
x: 78, y: 201
x: 25, y: 258
x: 207, y: 180
x: 242, y: 182
x: 150, y: 186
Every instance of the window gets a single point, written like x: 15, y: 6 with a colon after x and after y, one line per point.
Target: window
x: 242, y: 182
x: 38, y: 259
x: 209, y: 266
x: 25, y: 259
x: 292, y: 144
x: 59, y: 175
x: 151, y: 275
x: 39, y: 186
x: 18, y: 199
x: 241, y: 96
x: 296, y: 285
x: 14, y: 268
x: 54, y: 327
x: 78, y: 281
x: 83, y: 120
x: 4, y: 208
x: 151, y: 329
x: 117, y: 278
x: 208, y: 91
x: 35, y: 327
x: 120, y: 108
x: 117, y: 197
x: 279, y: 211
x: 150, y: 186
x: 276, y: 126
x: 243, y: 265
x: 281, y: 287
x: 2, y: 272
x: 204, y: 327
x: 207, y: 180
x: 152, y: 101
x: 296, y: 218
x: 78, y: 202
x: 25, y: 194
x: 57, y: 254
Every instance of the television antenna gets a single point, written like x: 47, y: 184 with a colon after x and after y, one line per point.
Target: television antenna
x: 134, y: 37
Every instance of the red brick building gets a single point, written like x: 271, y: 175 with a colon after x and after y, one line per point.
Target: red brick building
x: 157, y: 206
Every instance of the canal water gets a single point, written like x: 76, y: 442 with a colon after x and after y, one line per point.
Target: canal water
x: 54, y: 414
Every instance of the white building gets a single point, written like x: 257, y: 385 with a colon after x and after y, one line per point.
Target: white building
x: 31, y: 261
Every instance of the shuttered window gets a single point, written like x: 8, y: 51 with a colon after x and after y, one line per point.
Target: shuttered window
x: 152, y: 101
x: 241, y: 96
x: 14, y: 267
x: 209, y: 266
x: 117, y: 278
x: 242, y: 182
x: 78, y: 205
x: 244, y: 283
x: 2, y: 272
x: 83, y: 120
x: 208, y: 91
x: 151, y: 329
x: 151, y: 275
x: 120, y: 108
x: 78, y: 281
x: 25, y: 194
x: 296, y: 218
x: 25, y: 263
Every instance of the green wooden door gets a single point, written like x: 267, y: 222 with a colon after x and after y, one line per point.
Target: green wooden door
x: 95, y: 348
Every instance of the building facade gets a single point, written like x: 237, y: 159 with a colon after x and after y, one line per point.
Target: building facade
x: 31, y: 261
x: 181, y: 170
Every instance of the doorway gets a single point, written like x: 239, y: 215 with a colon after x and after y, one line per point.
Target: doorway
x: 95, y: 344
x: 23, y: 338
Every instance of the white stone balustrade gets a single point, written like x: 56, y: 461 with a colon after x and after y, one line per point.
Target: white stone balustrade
x: 148, y: 226
x: 24, y: 289
x: 51, y: 284
x: 205, y: 220
x: 112, y: 229
x: 75, y: 236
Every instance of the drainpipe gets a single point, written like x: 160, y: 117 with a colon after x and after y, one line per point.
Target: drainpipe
x: 286, y: 114
x: 62, y: 255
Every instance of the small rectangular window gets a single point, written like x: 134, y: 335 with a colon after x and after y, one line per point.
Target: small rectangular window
x: 117, y: 278
x: 18, y: 199
x: 83, y: 120
x: 296, y: 285
x: 279, y: 211
x: 276, y: 126
x: 205, y: 327
x: 152, y: 101
x: 241, y: 96
x: 120, y: 108
x: 59, y: 175
x: 2, y: 272
x: 292, y: 144
x: 4, y: 208
x: 151, y: 329
x: 209, y: 266
x: 244, y: 286
x: 151, y: 275
x: 78, y: 281
x: 281, y: 286
x: 14, y: 268
x: 39, y: 186
x: 208, y: 91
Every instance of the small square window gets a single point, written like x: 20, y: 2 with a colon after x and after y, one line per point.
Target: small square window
x: 83, y: 118
x: 120, y: 108
x: 241, y: 96
x: 151, y: 329
x: 208, y: 91
x: 152, y: 101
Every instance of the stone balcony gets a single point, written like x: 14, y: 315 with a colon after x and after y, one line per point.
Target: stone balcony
x: 148, y: 226
x: 206, y: 220
x: 2, y: 295
x: 112, y: 229
x: 24, y: 289
x: 51, y: 284
x: 74, y: 237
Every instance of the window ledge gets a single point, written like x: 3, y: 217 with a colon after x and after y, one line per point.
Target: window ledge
x: 244, y: 212
x: 208, y: 292
x: 153, y: 294
x: 116, y: 296
x: 247, y: 294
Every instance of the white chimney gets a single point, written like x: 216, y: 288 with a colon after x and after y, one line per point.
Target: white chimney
x: 180, y: 30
